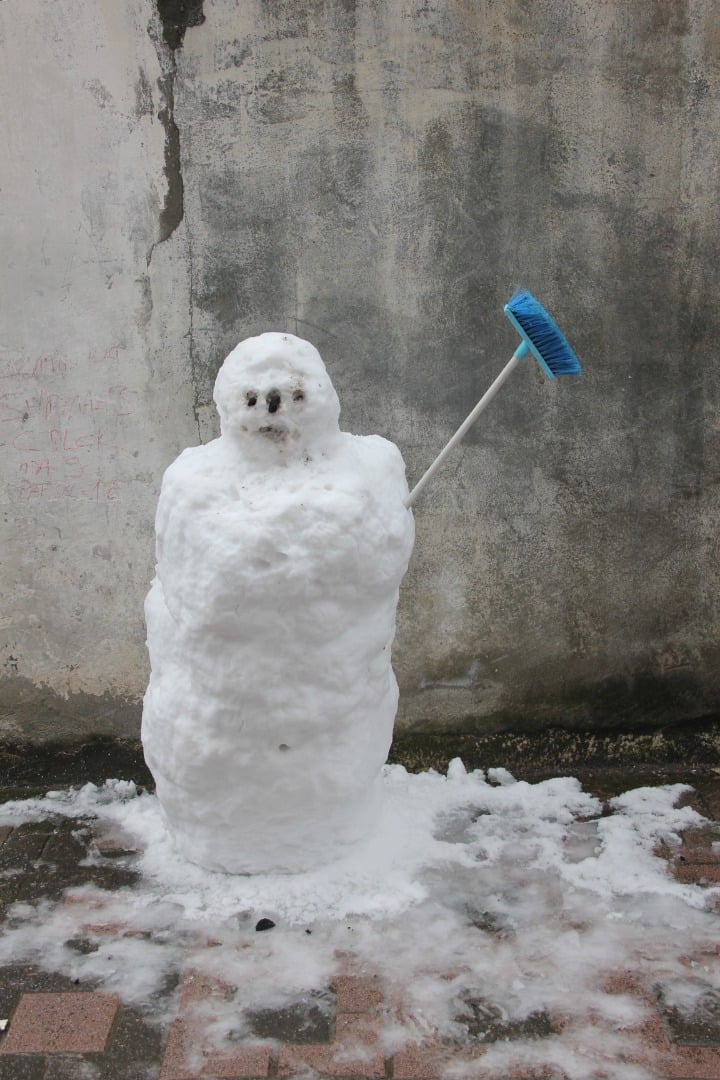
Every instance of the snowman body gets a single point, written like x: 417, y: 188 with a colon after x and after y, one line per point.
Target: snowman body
x: 280, y: 550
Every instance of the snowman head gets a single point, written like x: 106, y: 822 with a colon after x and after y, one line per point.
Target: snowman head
x: 275, y: 398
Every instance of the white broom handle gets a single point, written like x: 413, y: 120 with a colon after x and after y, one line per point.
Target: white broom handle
x: 469, y: 421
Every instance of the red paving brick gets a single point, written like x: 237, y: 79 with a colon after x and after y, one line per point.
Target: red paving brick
x: 361, y: 994
x: 697, y: 846
x: 697, y: 860
x: 80, y: 897
x: 426, y: 1061
x: 113, y: 840
x: 60, y: 1023
x: 710, y: 803
x: 697, y: 873
x: 198, y: 987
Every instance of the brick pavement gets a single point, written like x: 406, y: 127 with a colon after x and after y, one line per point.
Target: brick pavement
x: 53, y: 1029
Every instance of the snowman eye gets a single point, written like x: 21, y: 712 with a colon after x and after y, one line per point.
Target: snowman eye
x: 251, y: 398
x: 298, y: 395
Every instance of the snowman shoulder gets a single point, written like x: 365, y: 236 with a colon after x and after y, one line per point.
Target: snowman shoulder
x: 193, y: 481
x: 380, y: 457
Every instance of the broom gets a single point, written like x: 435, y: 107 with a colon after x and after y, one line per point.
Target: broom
x: 543, y: 339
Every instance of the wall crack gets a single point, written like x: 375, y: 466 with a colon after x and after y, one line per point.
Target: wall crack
x: 167, y: 33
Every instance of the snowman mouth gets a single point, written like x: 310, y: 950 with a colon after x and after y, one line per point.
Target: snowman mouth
x: 273, y: 431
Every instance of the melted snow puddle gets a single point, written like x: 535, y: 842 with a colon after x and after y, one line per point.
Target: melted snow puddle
x: 477, y: 895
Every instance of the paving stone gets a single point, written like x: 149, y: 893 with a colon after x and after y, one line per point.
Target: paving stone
x: 310, y: 1019
x: 623, y: 982
x: 704, y: 874
x: 454, y: 826
x: 489, y: 922
x: 697, y: 846
x: 189, y: 1054
x: 188, y: 1057
x: 17, y: 793
x: 133, y: 1052
x: 25, y: 843
x: 655, y: 1051
x: 356, y: 1051
x: 582, y: 841
x: 691, y: 798
x: 430, y: 1060
x: 486, y: 1023
x: 60, y: 1023
x: 19, y: 979
x: 198, y: 987
x: 424, y: 1062
x: 357, y: 994
x: 5, y: 831
x: 43, y: 860
x: 133, y: 1038
x: 113, y: 843
x: 67, y: 843
x: 710, y: 800
x: 74, y: 1067
x: 695, y: 1026
x: 47, y: 882
x: 22, y: 1067
x: 675, y: 1062
x: 535, y: 1072
x: 81, y: 945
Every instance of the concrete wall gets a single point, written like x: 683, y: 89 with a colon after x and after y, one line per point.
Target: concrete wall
x: 376, y: 176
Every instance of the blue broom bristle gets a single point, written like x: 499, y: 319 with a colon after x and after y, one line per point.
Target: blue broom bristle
x: 546, y: 340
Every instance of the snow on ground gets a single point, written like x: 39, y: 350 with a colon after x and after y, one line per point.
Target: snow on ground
x: 473, y: 888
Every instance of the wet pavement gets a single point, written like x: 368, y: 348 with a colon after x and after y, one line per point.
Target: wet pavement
x: 54, y: 1028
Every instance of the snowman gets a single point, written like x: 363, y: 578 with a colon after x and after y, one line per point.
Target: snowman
x: 281, y: 546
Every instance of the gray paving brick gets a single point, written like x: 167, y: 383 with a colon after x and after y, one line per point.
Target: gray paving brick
x: 485, y: 1022
x: 698, y: 1025
x: 311, y: 1019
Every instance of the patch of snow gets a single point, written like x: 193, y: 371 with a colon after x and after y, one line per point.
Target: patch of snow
x: 503, y: 911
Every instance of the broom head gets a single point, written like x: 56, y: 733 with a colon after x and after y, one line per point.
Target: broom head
x: 547, y: 343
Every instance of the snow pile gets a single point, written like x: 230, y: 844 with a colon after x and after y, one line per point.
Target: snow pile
x: 280, y: 551
x: 470, y: 889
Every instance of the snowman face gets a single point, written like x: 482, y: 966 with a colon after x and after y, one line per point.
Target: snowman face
x: 274, y: 389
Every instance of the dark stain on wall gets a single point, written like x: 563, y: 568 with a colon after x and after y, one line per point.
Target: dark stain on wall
x: 175, y: 18
x: 174, y: 207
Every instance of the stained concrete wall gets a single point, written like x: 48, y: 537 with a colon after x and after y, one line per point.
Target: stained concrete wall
x: 376, y: 177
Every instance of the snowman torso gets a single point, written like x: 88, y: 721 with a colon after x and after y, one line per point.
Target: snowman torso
x: 270, y: 621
